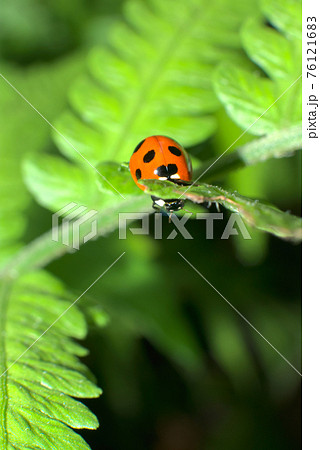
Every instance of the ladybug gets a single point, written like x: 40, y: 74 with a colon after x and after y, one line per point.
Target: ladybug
x: 161, y: 158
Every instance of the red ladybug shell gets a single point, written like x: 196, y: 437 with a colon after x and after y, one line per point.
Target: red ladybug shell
x: 160, y: 158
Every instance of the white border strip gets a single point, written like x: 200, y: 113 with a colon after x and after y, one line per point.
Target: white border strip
x: 311, y: 247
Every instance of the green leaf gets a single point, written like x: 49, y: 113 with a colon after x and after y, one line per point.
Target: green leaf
x: 159, y: 84
x: 258, y: 104
x: 34, y: 83
x: 41, y: 372
x: 246, y: 97
x: 257, y: 214
x: 55, y: 182
x: 270, y: 50
x: 284, y: 15
x: 280, y: 144
x: 118, y: 176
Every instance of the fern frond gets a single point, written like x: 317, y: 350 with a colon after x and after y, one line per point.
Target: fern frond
x: 257, y: 214
x: 55, y: 182
x: 36, y: 404
x: 16, y: 114
x: 247, y: 95
x: 153, y: 78
x: 280, y: 144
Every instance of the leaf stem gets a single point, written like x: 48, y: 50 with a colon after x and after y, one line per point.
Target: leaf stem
x: 44, y: 249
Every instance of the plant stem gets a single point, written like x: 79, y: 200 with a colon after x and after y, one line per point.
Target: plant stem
x: 43, y: 249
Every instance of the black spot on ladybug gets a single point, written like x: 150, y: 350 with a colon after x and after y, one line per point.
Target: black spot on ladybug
x: 138, y: 146
x: 174, y: 150
x: 172, y: 169
x: 149, y: 156
x: 138, y: 174
x: 166, y: 172
x: 162, y: 171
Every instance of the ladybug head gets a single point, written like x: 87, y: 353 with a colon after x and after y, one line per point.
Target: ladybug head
x: 169, y: 205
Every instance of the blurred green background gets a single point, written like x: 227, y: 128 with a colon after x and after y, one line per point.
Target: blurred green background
x: 179, y: 368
